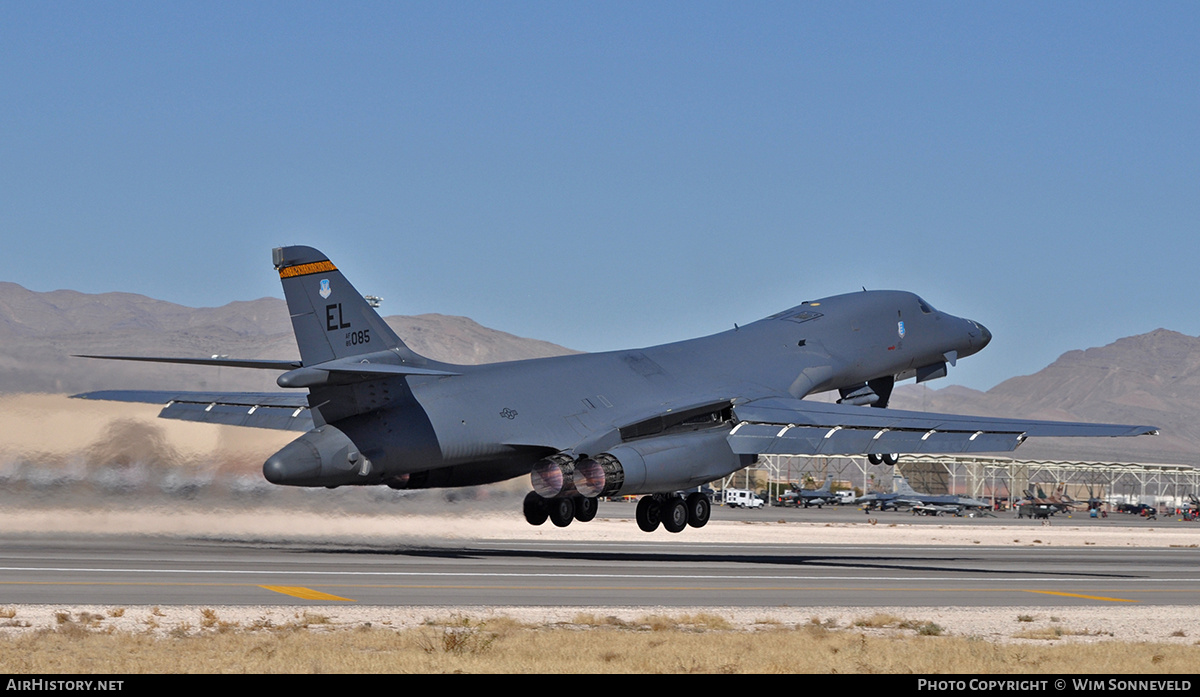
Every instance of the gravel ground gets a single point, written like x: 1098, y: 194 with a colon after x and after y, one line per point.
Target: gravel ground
x: 1160, y: 624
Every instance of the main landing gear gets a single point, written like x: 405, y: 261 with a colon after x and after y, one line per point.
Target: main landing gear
x: 560, y: 511
x: 885, y: 458
x: 672, y: 511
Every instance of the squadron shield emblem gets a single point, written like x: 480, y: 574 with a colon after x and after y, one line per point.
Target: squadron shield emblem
x: 326, y: 292
x: 900, y: 328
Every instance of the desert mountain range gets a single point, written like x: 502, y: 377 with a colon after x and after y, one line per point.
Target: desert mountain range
x: 39, y: 333
x: 1151, y: 378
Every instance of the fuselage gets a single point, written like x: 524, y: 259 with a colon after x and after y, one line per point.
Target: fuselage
x: 494, y: 421
x: 815, y: 347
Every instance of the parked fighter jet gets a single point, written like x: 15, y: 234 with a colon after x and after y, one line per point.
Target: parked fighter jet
x: 1062, y: 499
x: 905, y: 496
x: 1039, y: 505
x: 650, y: 421
x: 798, y: 496
x: 818, y: 497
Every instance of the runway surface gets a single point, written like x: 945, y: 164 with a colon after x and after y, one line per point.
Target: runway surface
x: 137, y: 570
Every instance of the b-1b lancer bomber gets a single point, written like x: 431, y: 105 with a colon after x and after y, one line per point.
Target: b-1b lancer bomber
x: 652, y: 421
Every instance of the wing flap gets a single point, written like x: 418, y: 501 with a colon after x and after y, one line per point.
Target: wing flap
x: 271, y: 410
x: 764, y: 439
x: 780, y: 410
x: 277, y: 418
x: 780, y: 426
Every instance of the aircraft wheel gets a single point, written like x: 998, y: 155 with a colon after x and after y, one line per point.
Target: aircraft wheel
x: 891, y: 458
x: 585, y: 508
x: 562, y: 511
x: 675, y: 514
x: 649, y: 514
x: 699, y: 510
x: 535, y: 509
x: 874, y: 459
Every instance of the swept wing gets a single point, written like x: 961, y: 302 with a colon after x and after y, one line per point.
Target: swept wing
x: 274, y: 410
x: 781, y: 426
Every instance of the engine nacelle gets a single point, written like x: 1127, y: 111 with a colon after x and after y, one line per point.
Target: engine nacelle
x: 554, y: 476
x: 659, y: 464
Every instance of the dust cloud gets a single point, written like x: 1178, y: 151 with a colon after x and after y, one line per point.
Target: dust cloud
x: 80, y: 466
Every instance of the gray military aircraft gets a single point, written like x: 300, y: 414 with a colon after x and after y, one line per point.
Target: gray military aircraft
x: 799, y: 496
x: 904, y: 496
x: 652, y: 421
x: 818, y: 497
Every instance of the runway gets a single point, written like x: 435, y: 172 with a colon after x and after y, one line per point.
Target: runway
x: 142, y: 570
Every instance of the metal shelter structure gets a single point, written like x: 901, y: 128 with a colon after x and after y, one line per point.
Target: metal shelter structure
x: 993, y: 478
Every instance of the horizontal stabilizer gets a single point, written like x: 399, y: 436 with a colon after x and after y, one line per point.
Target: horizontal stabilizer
x: 220, y: 362
x: 319, y: 374
x: 273, y: 410
x: 383, y: 369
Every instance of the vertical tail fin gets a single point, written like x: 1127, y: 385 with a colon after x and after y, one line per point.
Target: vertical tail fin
x: 900, y: 484
x: 330, y: 318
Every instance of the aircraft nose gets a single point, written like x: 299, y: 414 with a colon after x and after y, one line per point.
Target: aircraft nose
x: 986, y: 335
x: 977, y: 337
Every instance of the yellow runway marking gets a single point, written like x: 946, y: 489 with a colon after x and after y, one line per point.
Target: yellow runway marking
x: 302, y: 592
x: 305, y: 593
x: 1088, y: 597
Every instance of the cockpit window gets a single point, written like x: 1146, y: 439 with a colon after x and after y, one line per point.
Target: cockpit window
x: 924, y: 306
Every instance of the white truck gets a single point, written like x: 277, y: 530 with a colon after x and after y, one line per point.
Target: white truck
x: 741, y: 498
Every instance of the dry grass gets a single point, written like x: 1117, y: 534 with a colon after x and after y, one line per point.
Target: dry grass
x: 689, y: 623
x: 589, y: 644
x: 883, y: 620
x: 588, y: 619
x: 1053, y: 631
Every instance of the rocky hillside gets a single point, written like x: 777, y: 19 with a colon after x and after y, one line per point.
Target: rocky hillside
x: 39, y: 332
x: 1151, y: 379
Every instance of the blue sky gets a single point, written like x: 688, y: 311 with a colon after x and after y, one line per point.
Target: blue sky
x: 606, y: 175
